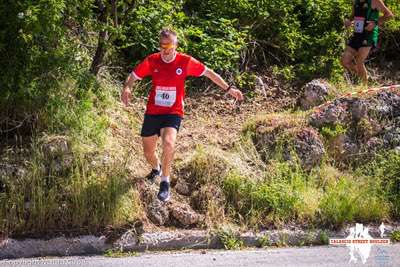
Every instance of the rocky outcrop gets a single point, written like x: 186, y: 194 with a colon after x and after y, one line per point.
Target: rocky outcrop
x: 371, y: 122
x: 174, y: 212
x: 289, y: 140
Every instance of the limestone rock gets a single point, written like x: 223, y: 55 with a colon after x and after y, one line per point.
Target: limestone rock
x: 315, y: 93
x: 184, y: 214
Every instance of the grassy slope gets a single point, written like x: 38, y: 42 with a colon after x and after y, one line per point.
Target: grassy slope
x: 97, y: 193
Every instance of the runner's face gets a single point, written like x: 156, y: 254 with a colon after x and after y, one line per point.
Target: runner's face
x: 167, y: 46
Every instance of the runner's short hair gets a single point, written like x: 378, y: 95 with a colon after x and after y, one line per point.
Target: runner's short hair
x: 168, y: 33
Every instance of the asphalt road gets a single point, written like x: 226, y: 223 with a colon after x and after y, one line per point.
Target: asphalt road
x: 304, y: 256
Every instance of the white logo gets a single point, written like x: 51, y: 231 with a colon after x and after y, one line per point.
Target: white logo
x: 179, y: 71
x: 155, y: 70
x: 360, y: 242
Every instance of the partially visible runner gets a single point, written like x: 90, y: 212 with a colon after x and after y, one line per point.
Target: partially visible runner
x: 366, y: 22
x: 164, y: 112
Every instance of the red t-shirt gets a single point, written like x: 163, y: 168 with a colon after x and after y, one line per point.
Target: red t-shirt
x: 168, y: 81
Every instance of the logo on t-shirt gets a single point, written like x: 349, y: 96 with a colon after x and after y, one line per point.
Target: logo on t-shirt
x: 179, y: 71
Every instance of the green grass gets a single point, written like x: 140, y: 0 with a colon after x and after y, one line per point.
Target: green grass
x: 264, y: 241
x: 258, y: 194
x: 91, y: 192
x: 229, y: 238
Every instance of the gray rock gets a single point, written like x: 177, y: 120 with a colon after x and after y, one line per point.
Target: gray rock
x: 260, y: 86
x: 309, y: 148
x: 334, y: 113
x: 385, y: 105
x: 315, y: 93
x: 391, y: 134
x: 374, y: 144
x: 55, y: 146
x: 61, y: 246
x: 391, y: 137
x: 359, y: 109
x: 184, y: 214
x: 168, y: 240
x: 158, y: 212
x: 182, y: 187
x: 12, y: 170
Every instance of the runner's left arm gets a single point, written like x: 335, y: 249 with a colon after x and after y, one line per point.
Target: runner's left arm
x: 217, y: 79
x: 387, y: 14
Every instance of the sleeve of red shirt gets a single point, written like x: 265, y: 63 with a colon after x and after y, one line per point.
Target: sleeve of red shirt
x: 142, y: 70
x: 195, y: 68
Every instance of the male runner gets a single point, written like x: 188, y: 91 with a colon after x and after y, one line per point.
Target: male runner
x: 366, y: 23
x: 168, y: 70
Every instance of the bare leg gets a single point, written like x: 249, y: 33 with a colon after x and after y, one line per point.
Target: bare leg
x: 362, y: 55
x: 347, y: 59
x: 168, y: 136
x: 149, y: 149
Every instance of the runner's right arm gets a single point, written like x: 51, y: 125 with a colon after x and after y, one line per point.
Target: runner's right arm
x: 127, y: 89
x: 141, y: 70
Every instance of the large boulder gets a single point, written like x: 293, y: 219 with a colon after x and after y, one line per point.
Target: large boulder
x: 184, y: 214
x: 333, y: 113
x: 288, y: 139
x: 158, y: 212
x: 314, y: 94
x: 385, y: 105
x: 391, y: 135
x: 307, y: 145
x: 182, y: 187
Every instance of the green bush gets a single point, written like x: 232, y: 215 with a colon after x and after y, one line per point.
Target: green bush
x: 351, y: 200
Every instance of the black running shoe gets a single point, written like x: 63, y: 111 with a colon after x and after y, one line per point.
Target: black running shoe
x: 153, y: 175
x: 164, y: 193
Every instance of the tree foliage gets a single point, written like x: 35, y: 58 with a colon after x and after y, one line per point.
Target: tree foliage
x: 45, y: 41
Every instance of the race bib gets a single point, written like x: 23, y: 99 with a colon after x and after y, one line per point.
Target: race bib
x: 165, y: 96
x: 359, y: 24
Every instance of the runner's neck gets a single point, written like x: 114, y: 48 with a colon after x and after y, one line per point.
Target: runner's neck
x: 168, y: 61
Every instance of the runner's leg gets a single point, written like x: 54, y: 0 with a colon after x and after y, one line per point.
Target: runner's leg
x: 149, y: 149
x: 168, y: 136
x: 347, y: 59
x: 361, y: 56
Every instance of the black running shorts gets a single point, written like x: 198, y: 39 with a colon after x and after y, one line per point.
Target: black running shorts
x: 361, y: 40
x: 152, y: 124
